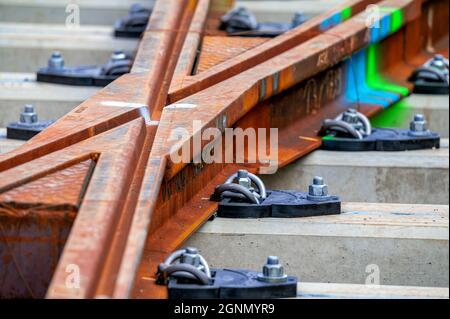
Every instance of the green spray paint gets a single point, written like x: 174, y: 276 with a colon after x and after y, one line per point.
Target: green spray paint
x: 346, y: 13
x: 397, y: 115
x: 375, y: 79
x: 397, y: 18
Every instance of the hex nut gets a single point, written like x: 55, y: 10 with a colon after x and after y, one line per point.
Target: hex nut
x: 419, y: 125
x: 273, y: 271
x: 243, y: 179
x: 56, y: 61
x: 28, y: 116
x: 191, y: 257
x: 318, y: 187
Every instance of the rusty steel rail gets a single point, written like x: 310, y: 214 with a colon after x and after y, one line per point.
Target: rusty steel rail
x: 131, y: 205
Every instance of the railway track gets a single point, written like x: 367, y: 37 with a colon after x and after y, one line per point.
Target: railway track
x: 103, y: 183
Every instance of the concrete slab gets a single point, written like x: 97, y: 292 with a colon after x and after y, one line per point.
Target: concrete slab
x: 51, y: 100
x: 434, y: 107
x: 102, y: 12
x: 97, y: 12
x: 27, y: 47
x: 308, y: 290
x: 404, y: 245
x: 274, y: 11
x: 413, y: 177
x: 7, y: 145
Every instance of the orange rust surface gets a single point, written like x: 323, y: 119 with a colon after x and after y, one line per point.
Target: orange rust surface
x: 268, y: 50
x: 31, y: 242
x: 37, y: 212
x: 261, y: 83
x: 217, y: 49
x: 140, y: 203
x: 169, y: 211
x: 90, y: 240
x: 297, y: 137
x: 61, y: 188
x: 131, y: 96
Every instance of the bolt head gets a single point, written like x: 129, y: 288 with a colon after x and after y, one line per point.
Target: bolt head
x: 243, y: 179
x: 28, y: 108
x: 272, y: 271
x: 318, y: 180
x: 272, y: 260
x: 419, y: 124
x: 242, y: 173
x: 298, y: 19
x: 28, y: 115
x: 438, y: 65
x: 419, y: 118
x: 191, y: 250
x: 191, y: 257
x: 350, y: 116
x: 56, y: 61
x: 318, y: 187
x: 118, y: 55
x: 439, y: 62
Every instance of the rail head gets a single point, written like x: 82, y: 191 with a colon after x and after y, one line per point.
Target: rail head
x: 138, y: 204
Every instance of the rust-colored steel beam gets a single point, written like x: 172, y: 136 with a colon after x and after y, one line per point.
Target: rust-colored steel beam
x: 107, y: 164
x: 185, y: 86
x: 133, y: 95
x: 176, y: 213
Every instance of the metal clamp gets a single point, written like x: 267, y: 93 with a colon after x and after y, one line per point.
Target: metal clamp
x: 134, y: 24
x: 351, y: 131
x: 242, y: 186
x: 351, y: 123
x: 187, y: 276
x: 240, y: 200
x: 242, y: 22
x: 27, y: 126
x: 87, y: 75
x: 432, y: 77
x: 186, y: 263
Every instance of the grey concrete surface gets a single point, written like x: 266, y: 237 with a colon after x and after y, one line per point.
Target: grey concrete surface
x: 434, y: 107
x: 99, y: 12
x: 413, y: 177
x: 102, y: 12
x: 27, y: 47
x: 406, y: 245
x: 7, y: 145
x: 51, y: 100
x: 308, y: 290
x: 283, y: 11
